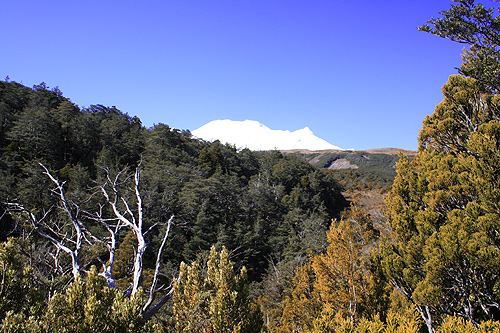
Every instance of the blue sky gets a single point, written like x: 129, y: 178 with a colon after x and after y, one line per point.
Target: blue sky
x: 357, y: 73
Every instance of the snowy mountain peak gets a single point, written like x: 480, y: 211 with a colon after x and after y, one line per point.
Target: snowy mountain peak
x: 255, y: 136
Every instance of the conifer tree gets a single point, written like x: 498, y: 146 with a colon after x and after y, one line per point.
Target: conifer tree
x: 333, y: 284
x: 87, y: 305
x: 18, y: 293
x: 443, y: 209
x: 474, y: 24
x: 339, y: 272
x: 214, y: 299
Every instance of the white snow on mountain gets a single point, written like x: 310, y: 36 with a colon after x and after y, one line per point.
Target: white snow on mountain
x: 255, y: 136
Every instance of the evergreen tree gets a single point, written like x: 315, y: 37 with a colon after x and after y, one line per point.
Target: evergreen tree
x: 87, y: 305
x: 339, y: 272
x: 332, y: 286
x: 443, y: 207
x: 443, y: 210
x: 476, y: 25
x: 304, y: 304
x: 18, y: 293
x: 214, y: 299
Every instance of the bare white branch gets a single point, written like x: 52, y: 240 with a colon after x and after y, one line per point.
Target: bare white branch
x: 152, y: 291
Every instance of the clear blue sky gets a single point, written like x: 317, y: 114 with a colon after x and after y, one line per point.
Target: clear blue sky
x: 358, y: 73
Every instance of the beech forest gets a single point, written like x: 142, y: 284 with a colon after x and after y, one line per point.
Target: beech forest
x: 109, y: 226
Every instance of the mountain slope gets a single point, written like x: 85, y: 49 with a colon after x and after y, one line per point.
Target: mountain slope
x: 359, y: 169
x: 255, y: 136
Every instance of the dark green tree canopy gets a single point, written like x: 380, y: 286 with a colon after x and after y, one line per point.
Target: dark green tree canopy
x: 477, y: 25
x: 260, y: 205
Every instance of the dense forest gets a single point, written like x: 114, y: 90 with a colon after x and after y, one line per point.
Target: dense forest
x: 358, y: 169
x: 106, y: 225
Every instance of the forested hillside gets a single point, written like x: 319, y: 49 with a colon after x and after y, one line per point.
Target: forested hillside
x: 264, y: 207
x: 358, y: 169
x: 113, y: 227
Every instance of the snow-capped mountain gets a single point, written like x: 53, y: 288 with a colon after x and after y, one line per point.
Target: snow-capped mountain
x: 255, y: 136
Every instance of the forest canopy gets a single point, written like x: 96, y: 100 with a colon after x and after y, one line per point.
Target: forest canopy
x: 106, y: 225
x: 70, y: 176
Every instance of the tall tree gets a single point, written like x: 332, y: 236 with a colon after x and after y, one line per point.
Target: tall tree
x: 477, y: 25
x: 340, y: 277
x: 443, y: 209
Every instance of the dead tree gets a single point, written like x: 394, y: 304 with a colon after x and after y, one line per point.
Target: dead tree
x: 134, y: 220
x: 72, y: 236
x: 68, y: 240
x: 113, y: 227
x: 147, y: 313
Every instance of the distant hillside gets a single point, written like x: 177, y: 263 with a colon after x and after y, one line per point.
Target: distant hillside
x: 358, y: 169
x: 365, y: 176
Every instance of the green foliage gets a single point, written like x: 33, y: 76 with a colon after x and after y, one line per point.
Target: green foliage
x: 272, y: 211
x: 13, y: 97
x: 443, y: 205
x: 358, y: 170
x: 263, y: 206
x: 36, y: 132
x: 214, y: 298
x: 340, y: 278
x: 18, y: 293
x: 464, y: 108
x: 454, y: 324
x: 303, y: 305
x: 478, y: 26
x: 281, y: 210
x: 123, y: 267
x: 86, y: 306
x: 331, y: 291
x: 90, y: 306
x: 41, y: 124
x: 443, y: 209
x: 407, y: 321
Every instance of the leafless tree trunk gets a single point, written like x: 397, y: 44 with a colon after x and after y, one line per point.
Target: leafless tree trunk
x: 135, y: 222
x: 110, y: 243
x: 152, y: 291
x: 424, y: 310
x: 71, y: 240
x: 70, y: 243
x: 128, y: 219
